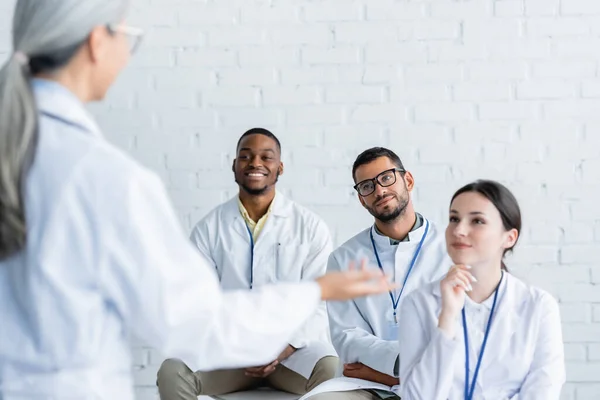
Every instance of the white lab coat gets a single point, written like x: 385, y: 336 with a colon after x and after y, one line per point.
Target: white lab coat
x: 105, y: 257
x: 360, y: 327
x: 293, y: 245
x: 523, y: 359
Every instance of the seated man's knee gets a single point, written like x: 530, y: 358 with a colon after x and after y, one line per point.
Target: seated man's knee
x: 329, y: 366
x: 171, y: 368
x: 325, y: 369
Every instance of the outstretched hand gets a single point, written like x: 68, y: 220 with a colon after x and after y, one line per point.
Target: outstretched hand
x: 354, y: 283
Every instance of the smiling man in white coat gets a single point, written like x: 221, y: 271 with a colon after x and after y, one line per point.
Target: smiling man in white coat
x: 406, y: 246
x: 256, y: 238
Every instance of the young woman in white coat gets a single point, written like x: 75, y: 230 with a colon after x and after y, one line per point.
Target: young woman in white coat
x: 90, y: 247
x: 481, y: 333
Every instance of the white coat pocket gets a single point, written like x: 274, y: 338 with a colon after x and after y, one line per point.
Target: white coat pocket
x: 289, y: 261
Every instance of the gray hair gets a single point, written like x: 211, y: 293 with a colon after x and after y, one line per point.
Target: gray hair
x: 46, y: 35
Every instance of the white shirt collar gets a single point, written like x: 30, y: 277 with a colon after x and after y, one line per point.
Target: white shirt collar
x: 415, y: 234
x: 58, y: 102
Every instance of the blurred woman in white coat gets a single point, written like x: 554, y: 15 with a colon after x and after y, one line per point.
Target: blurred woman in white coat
x: 481, y: 333
x: 90, y: 247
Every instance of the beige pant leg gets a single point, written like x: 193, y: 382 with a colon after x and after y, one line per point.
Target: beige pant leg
x: 286, y: 380
x: 324, y: 370
x: 350, y: 395
x: 177, y: 382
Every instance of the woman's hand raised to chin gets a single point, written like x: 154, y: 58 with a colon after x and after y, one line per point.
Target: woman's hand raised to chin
x: 453, y: 288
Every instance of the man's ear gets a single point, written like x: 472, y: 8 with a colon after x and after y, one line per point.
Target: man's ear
x: 410, y: 181
x: 280, y: 169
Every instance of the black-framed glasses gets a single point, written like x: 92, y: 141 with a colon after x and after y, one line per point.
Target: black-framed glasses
x: 384, y: 179
x: 134, y: 35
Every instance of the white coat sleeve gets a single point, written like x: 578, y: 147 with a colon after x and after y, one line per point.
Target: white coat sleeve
x: 157, y: 281
x: 426, y: 356
x: 315, y: 329
x: 547, y: 372
x: 353, y: 338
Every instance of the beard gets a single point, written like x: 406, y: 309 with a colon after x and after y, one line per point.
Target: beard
x: 391, y: 214
x: 256, y: 191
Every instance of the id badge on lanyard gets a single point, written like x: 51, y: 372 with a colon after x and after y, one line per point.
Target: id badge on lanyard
x: 392, y: 315
x: 391, y: 325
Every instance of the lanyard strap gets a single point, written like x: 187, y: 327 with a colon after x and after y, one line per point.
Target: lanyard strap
x: 251, y: 256
x: 395, y: 301
x: 469, y: 393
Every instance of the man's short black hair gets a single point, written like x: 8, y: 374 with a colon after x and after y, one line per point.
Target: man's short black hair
x: 259, y: 131
x: 372, y: 154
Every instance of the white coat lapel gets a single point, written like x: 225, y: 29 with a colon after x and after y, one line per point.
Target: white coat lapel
x: 239, y: 225
x: 280, y: 210
x: 233, y: 218
x: 504, y: 323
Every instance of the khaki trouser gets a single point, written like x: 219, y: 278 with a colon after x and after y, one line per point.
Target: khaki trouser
x: 177, y: 382
x: 353, y: 395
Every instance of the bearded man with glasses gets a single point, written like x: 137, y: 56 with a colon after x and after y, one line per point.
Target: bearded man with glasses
x: 406, y: 246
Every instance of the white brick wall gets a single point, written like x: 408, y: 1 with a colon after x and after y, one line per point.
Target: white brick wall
x: 502, y: 89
